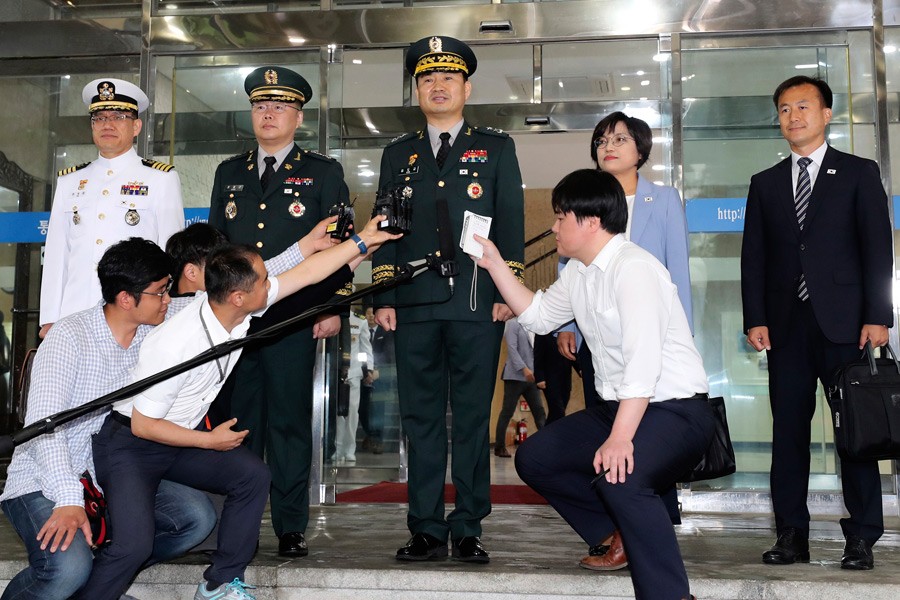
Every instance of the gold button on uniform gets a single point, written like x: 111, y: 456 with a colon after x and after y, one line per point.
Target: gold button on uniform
x: 261, y: 225
x: 101, y: 216
x: 440, y: 184
x: 106, y: 192
x: 259, y: 244
x: 99, y: 241
x: 109, y: 172
x: 262, y: 206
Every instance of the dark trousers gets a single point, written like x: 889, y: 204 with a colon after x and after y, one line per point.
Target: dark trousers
x: 443, y: 361
x: 512, y: 391
x: 794, y: 369
x: 557, y: 462
x: 556, y: 372
x: 586, y: 366
x: 129, y: 470
x: 273, y: 399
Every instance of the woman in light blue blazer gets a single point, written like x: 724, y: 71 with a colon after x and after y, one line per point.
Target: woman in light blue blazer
x: 620, y: 145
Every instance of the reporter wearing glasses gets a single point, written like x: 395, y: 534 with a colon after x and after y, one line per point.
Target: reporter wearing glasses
x: 97, y: 204
x: 620, y: 145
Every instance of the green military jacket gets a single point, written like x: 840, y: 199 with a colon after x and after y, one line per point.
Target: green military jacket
x: 481, y: 175
x: 305, y: 186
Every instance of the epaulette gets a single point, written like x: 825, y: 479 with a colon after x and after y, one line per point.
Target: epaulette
x: 68, y: 170
x: 314, y: 154
x: 242, y: 155
x: 492, y: 131
x: 404, y: 137
x: 155, y: 164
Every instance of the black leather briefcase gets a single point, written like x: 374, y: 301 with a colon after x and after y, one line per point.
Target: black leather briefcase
x: 865, y: 405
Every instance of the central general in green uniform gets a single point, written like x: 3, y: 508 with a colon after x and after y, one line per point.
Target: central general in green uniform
x: 448, y: 350
x: 269, y: 198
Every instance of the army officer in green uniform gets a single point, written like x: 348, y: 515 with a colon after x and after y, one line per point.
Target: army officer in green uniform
x: 448, y: 349
x: 269, y: 198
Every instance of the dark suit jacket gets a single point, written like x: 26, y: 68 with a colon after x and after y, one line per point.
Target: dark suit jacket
x: 844, y: 250
x: 481, y: 175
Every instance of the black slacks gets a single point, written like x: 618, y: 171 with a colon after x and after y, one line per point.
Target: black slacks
x: 557, y: 462
x: 794, y: 369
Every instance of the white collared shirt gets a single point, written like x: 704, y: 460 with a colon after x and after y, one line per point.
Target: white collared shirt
x: 817, y: 156
x: 184, y: 399
x: 628, y: 310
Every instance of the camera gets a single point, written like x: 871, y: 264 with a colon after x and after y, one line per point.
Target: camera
x: 395, y: 204
x: 340, y: 229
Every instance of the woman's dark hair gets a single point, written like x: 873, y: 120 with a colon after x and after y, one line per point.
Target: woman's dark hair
x: 193, y: 244
x: 130, y: 266
x: 637, y: 129
x: 592, y: 193
x: 228, y: 269
x: 820, y: 84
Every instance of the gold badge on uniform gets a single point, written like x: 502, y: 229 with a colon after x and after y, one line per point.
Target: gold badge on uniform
x: 412, y: 159
x: 132, y: 217
x: 407, y: 192
x: 475, y: 190
x: 296, y: 209
x: 230, y: 210
x: 76, y: 218
x: 288, y: 166
x: 271, y: 77
x: 82, y: 183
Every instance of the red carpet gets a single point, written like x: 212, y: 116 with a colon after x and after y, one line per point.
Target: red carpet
x: 387, y: 491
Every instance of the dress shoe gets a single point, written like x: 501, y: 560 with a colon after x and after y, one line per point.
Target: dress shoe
x: 502, y: 452
x: 292, y: 545
x: 470, y: 549
x: 377, y: 447
x: 790, y: 547
x: 598, y: 550
x: 422, y: 546
x: 612, y: 560
x: 857, y: 554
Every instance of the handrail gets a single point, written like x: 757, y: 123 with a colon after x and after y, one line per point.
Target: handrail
x: 538, y: 238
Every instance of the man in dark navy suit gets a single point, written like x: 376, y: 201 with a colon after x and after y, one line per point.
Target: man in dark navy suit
x: 816, y: 286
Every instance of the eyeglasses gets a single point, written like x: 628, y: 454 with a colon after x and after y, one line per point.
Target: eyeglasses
x: 116, y: 118
x: 163, y: 293
x: 616, y: 141
x: 260, y: 108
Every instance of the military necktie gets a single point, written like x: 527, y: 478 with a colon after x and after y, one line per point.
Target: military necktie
x: 443, y: 151
x: 801, y: 203
x: 268, y: 173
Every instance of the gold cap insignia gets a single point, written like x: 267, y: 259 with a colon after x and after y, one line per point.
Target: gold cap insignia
x: 106, y: 91
x: 434, y: 44
x: 271, y: 77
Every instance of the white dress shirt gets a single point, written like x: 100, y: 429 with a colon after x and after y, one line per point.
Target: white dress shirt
x: 628, y: 310
x: 184, y: 399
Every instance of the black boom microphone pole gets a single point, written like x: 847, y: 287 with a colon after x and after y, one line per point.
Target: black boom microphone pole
x: 48, y: 424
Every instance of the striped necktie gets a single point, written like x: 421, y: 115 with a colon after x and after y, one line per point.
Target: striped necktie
x: 801, y: 203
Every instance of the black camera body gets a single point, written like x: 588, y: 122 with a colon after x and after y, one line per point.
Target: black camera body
x: 395, y: 204
x: 340, y: 229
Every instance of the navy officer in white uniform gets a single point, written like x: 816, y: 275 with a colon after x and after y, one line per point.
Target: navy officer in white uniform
x: 118, y: 196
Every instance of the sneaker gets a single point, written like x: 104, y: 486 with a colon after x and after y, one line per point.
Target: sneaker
x: 227, y: 591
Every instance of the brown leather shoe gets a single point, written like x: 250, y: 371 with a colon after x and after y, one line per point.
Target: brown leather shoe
x: 502, y: 452
x: 613, y: 560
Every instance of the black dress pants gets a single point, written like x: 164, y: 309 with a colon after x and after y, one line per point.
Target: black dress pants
x: 557, y: 462
x: 794, y: 369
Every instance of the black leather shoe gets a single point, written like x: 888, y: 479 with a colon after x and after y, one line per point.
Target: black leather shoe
x: 292, y: 545
x: 470, y: 549
x: 598, y: 550
x: 422, y: 546
x: 857, y: 554
x: 792, y: 546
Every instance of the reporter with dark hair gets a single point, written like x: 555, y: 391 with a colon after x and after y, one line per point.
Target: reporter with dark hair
x: 156, y: 433
x: 84, y: 356
x: 656, y: 422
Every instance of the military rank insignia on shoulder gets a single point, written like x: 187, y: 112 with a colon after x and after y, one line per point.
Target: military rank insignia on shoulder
x: 492, y: 131
x: 243, y: 155
x: 404, y: 137
x: 159, y: 166
x: 314, y: 154
x: 69, y: 170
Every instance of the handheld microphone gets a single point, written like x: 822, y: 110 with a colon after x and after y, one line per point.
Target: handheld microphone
x: 448, y: 267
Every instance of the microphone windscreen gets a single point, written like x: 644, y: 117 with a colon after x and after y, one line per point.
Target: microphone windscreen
x: 445, y: 231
